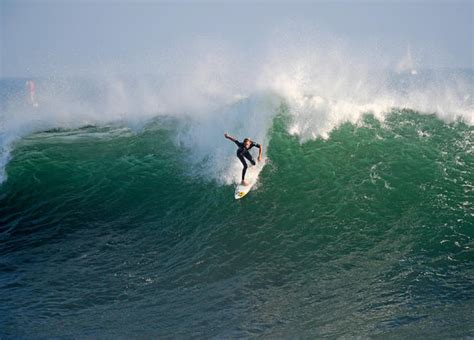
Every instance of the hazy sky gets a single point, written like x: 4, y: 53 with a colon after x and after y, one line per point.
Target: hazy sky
x: 75, y: 37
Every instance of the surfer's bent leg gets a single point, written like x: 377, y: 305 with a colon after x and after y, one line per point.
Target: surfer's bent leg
x: 249, y: 157
x: 244, y: 163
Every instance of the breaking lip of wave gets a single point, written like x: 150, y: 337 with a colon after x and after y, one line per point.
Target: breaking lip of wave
x: 218, y: 94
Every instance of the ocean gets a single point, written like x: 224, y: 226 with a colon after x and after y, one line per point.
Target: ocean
x: 117, y: 215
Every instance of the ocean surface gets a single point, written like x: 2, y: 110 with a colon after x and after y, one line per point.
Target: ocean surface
x: 117, y: 215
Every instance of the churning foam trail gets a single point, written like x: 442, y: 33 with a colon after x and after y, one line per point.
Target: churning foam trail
x: 212, y: 156
x: 4, y: 159
x: 215, y: 90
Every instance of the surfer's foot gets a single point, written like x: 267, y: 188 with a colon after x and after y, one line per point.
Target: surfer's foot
x: 244, y: 182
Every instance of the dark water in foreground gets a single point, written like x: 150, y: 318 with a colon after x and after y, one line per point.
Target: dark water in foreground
x: 104, y: 232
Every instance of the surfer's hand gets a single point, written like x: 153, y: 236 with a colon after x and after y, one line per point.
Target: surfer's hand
x: 259, y: 158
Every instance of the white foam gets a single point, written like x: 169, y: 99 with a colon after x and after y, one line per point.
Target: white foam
x: 327, y: 88
x: 215, y: 90
x: 213, y: 156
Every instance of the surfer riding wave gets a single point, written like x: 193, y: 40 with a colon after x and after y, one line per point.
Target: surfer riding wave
x: 243, y: 153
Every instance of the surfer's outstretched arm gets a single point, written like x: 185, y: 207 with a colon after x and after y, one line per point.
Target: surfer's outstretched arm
x: 229, y: 137
x: 260, y: 152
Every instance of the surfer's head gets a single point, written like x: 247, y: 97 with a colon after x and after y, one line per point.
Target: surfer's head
x: 247, y: 143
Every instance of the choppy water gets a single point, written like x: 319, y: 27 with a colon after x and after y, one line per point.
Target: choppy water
x: 107, y: 231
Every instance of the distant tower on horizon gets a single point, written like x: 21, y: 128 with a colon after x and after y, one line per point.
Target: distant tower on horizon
x: 31, y: 88
x: 406, y: 64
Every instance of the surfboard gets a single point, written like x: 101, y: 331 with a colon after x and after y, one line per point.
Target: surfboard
x: 242, y: 190
x: 251, y: 178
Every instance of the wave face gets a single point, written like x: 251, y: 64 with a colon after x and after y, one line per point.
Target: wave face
x: 117, y: 216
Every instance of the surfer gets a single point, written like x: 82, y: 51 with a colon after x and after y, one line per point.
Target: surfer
x: 243, y: 152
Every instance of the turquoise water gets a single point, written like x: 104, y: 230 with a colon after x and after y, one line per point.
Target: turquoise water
x: 110, y: 230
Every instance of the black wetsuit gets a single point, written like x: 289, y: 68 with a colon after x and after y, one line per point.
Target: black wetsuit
x: 243, y: 153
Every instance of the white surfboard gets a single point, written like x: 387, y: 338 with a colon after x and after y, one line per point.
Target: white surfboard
x: 251, y: 177
x: 242, y: 190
